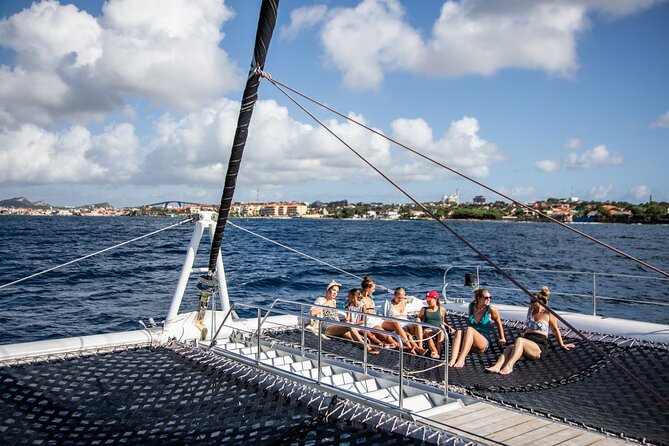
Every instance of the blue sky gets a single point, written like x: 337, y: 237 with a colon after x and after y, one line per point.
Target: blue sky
x: 136, y: 102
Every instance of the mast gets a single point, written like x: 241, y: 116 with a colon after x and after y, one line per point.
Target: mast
x: 266, y: 22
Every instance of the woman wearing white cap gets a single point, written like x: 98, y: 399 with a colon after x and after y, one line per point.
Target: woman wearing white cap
x: 329, y: 328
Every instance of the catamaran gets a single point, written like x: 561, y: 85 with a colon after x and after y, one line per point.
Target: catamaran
x: 208, y: 376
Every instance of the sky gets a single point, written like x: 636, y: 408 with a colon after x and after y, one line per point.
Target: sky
x: 134, y: 102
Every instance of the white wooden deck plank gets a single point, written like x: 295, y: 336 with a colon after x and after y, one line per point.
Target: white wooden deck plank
x: 536, y: 436
x: 531, y: 424
x: 482, y: 424
x: 461, y: 417
x: 471, y: 408
x: 513, y: 421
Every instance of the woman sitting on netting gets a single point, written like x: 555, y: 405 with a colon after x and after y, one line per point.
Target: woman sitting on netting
x: 385, y: 341
x: 355, y: 316
x: 476, y: 337
x: 328, y: 328
x: 533, y: 344
x: 397, y: 308
x: 433, y: 314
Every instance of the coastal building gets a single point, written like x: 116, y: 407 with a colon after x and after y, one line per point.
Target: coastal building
x: 291, y: 209
x: 451, y: 199
x: 479, y: 199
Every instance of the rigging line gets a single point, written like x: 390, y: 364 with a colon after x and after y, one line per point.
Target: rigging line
x: 450, y: 169
x: 301, y: 253
x: 487, y: 259
x: 95, y: 253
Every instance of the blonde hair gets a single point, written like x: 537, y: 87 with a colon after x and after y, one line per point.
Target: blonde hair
x: 545, y: 291
x: 541, y: 297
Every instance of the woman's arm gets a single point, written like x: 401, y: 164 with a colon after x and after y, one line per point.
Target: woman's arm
x: 443, y: 321
x: 552, y: 321
x: 421, y: 314
x: 316, y: 311
x: 494, y: 315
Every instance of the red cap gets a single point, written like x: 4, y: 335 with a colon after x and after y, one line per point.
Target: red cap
x: 432, y: 294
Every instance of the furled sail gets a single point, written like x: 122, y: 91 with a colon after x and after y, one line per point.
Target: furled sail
x: 266, y: 22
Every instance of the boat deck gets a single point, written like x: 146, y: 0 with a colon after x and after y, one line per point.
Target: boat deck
x: 175, y: 395
x: 575, y: 387
x: 491, y: 424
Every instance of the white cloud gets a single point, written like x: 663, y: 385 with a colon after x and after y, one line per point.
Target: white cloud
x: 600, y: 192
x: 662, y: 121
x: 280, y: 150
x: 33, y: 155
x: 598, y: 156
x: 366, y: 41
x: 520, y: 193
x: 641, y: 192
x: 166, y: 51
x: 469, y: 37
x: 573, y: 143
x: 547, y: 166
x: 303, y: 18
x: 460, y: 147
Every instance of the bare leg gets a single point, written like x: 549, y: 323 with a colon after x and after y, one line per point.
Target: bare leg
x: 357, y: 337
x: 455, y: 350
x: 521, y: 349
x: 472, y: 340
x: 430, y: 335
x: 394, y: 326
x: 373, y: 337
x: 501, y: 360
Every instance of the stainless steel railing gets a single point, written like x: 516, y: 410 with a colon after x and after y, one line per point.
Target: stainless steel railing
x: 302, y: 317
x: 595, y: 280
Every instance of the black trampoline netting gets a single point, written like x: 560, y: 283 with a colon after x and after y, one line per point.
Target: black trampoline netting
x: 176, y: 395
x: 577, y: 386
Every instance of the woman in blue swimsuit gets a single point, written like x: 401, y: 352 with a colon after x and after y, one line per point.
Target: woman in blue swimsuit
x: 534, y: 342
x: 476, y: 337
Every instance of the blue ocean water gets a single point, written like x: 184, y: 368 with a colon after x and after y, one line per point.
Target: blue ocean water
x: 112, y: 291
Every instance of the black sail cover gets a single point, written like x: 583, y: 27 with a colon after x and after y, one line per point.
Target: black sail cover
x: 266, y: 22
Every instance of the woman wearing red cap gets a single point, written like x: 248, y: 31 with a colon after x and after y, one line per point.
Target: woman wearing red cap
x: 433, y: 314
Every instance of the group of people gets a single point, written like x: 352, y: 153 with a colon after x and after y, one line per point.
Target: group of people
x: 476, y: 337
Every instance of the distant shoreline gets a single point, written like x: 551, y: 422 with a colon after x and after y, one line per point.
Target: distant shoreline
x: 652, y: 222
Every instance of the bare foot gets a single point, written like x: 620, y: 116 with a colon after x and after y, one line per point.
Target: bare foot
x: 492, y: 369
x: 434, y: 355
x: 373, y: 351
x: 506, y: 370
x: 459, y: 365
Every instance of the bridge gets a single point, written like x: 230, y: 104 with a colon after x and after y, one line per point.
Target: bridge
x: 174, y: 204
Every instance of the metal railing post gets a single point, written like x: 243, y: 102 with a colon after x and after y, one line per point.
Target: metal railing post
x: 447, y: 354
x: 364, y: 353
x: 320, y: 349
x: 302, y: 326
x: 594, y: 294
x: 401, y: 384
x: 478, y: 278
x: 258, y: 334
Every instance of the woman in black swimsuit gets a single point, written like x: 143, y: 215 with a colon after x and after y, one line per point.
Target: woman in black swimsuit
x: 534, y: 342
